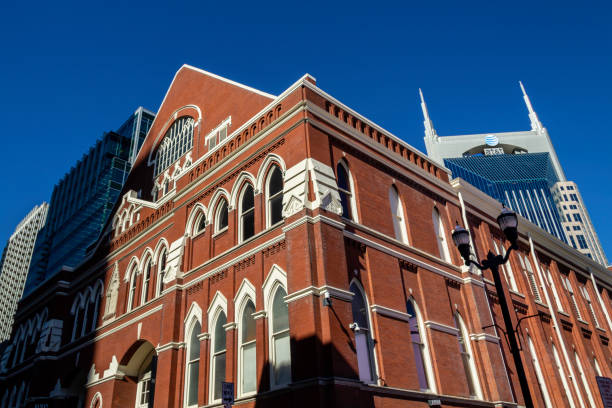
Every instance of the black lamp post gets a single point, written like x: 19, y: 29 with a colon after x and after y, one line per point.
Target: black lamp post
x: 508, y: 222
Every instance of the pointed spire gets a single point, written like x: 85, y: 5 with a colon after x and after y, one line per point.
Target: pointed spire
x: 430, y: 132
x: 533, y: 117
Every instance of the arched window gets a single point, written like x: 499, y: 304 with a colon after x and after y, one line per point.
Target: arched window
x: 587, y: 299
x: 146, y: 281
x: 200, y: 224
x: 275, y: 196
x: 193, y: 364
x: 554, y: 291
x: 345, y: 190
x: 566, y: 388
x: 145, y: 381
x: 440, y: 235
x: 280, y: 340
x: 466, y: 357
x: 533, y: 285
x: 583, y: 378
x: 221, y: 216
x: 596, y: 367
x: 161, y: 272
x: 364, y: 344
x: 247, y: 213
x: 247, y: 361
x: 132, y: 289
x: 218, y: 350
x: 568, y: 286
x: 539, y: 376
x: 420, y: 349
x: 506, y: 269
x: 177, y: 141
x: 397, y: 215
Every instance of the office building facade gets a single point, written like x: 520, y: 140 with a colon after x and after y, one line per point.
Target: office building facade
x: 83, y: 199
x: 15, y: 264
x: 292, y: 247
x: 463, y: 153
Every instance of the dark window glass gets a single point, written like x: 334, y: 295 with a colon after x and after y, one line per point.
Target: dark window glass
x: 344, y: 188
x: 222, y: 215
x: 275, y: 196
x: 248, y: 213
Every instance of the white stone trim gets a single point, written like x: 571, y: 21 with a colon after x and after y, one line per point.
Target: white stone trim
x: 173, y: 345
x: 441, y: 327
x: 392, y: 313
x: 484, y: 336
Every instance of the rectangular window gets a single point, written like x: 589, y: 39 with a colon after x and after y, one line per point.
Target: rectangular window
x: 565, y: 197
x: 576, y: 227
x: 222, y: 133
x: 574, y: 197
x: 577, y: 217
x: 582, y: 242
x: 212, y: 142
x: 573, y: 242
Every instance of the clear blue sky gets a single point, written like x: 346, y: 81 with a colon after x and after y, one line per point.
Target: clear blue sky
x: 68, y: 73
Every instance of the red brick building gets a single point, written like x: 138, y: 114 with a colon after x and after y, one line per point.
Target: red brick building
x: 291, y: 246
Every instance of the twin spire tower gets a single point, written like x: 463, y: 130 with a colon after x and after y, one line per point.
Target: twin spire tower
x: 430, y: 131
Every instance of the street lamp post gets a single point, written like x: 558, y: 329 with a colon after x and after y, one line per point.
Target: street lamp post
x: 508, y: 222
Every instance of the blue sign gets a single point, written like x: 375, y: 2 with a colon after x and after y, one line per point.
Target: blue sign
x: 227, y: 393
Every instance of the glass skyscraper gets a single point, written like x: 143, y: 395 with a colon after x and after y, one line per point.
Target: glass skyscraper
x: 83, y: 199
x: 522, y: 182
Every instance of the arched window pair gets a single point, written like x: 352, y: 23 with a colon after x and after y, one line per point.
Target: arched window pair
x: 397, y: 215
x: 85, y: 310
x: 147, y: 271
x: 279, y: 354
x: 274, y: 204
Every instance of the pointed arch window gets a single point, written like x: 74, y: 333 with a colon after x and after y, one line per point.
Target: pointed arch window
x: 587, y: 299
x: 568, y: 286
x: 221, y: 216
x: 465, y: 349
x: 440, y: 236
x: 200, y: 223
x: 566, y: 388
x: 364, y: 343
x: 584, y: 380
x: 193, y: 364
x: 132, y: 289
x: 247, y: 213
x: 280, y: 340
x: 161, y: 272
x: 397, y: 215
x: 177, y: 141
x: 275, y: 196
x: 419, y: 347
x: 247, y: 350
x: 345, y: 190
x: 528, y: 269
x: 596, y: 367
x: 218, y: 351
x: 554, y: 291
x: 146, y: 281
x: 539, y: 375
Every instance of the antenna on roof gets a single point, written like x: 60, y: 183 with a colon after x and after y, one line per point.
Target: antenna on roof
x: 533, y: 117
x: 430, y: 132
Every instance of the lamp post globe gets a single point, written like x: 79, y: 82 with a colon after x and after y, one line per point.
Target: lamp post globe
x: 508, y: 223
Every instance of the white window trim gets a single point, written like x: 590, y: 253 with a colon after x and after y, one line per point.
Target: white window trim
x: 398, y: 218
x: 193, y: 316
x: 159, y: 281
x: 441, y: 236
x: 538, y: 371
x: 217, y: 306
x: 276, y: 278
x: 146, y: 284
x: 467, y: 340
x: 271, y: 169
x: 240, y: 214
x: 585, y: 383
x: 132, y: 289
x: 370, y: 330
x: 429, y: 368
x: 352, y: 201
x: 566, y: 388
x: 245, y: 293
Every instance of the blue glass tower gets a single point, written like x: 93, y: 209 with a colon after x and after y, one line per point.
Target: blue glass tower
x: 522, y: 182
x: 83, y: 199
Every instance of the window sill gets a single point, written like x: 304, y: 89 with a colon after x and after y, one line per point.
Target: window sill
x: 220, y: 232
x: 561, y: 312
